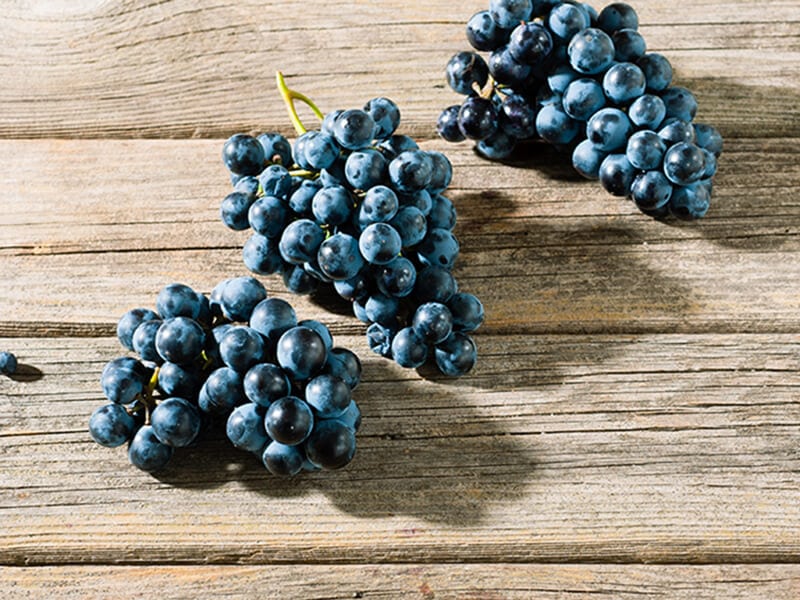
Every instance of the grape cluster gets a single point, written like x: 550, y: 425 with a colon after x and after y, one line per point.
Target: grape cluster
x: 236, y: 359
x: 8, y: 363
x: 584, y: 82
x: 358, y: 207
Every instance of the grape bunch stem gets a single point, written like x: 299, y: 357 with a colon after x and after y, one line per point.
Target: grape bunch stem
x: 289, y: 96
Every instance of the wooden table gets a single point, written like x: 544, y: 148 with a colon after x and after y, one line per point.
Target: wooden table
x: 632, y: 428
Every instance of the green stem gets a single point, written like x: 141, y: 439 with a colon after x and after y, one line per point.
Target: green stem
x: 289, y: 96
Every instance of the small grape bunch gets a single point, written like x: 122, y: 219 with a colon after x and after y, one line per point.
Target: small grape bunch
x: 235, y: 359
x: 358, y: 207
x: 584, y: 82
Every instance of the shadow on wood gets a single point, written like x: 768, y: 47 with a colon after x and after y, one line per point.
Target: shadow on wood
x: 442, y: 473
x: 26, y: 374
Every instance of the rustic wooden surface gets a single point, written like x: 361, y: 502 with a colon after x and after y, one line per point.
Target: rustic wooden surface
x: 636, y: 398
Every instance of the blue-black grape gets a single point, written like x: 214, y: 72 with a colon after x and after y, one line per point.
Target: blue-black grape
x: 331, y: 445
x: 301, y: 352
x: 111, y: 425
x: 175, y: 422
x: 147, y: 452
x: 243, y: 155
x: 245, y: 428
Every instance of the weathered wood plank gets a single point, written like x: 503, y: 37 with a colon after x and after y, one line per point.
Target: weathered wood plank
x: 546, y: 251
x: 652, y: 448
x: 370, y: 582
x: 180, y: 68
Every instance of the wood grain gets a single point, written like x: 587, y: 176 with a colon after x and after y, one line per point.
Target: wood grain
x: 414, y: 581
x: 546, y: 251
x: 179, y: 68
x: 653, y: 448
x: 636, y: 397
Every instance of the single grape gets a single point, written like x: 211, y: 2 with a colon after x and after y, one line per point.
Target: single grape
x: 466, y: 310
x: 379, y: 243
x: 591, y: 51
x: 379, y: 338
x: 434, y: 284
x: 221, y: 392
x: 267, y: 216
x: 331, y: 206
x: 386, y: 115
x: 243, y: 155
x: 123, y: 379
x: 565, y: 20
x: 289, y: 420
x: 178, y: 300
x: 175, y: 380
x: 708, y: 138
x: 329, y: 396
x: 282, y: 460
x: 179, y: 340
x: 277, y: 148
x: 146, y: 452
x: 617, y: 16
x: 272, y: 318
x: 447, y: 124
x: 440, y: 247
x: 497, y: 146
x: 509, y: 13
x: 483, y: 32
x: 623, y: 83
x: 344, y: 364
x: 477, y: 118
x: 275, y: 181
x: 657, y: 71
x: 506, y: 70
x: 645, y: 150
x: 365, y: 169
x: 354, y: 129
x: 239, y: 296
x: 466, y: 70
x: 175, y: 422
x: 689, y: 202
x: 381, y: 308
x: 684, y: 163
x: 651, y: 190
x: 608, y: 129
x: 331, y: 445
x: 647, y: 111
x: 261, y: 255
x: 456, y: 355
x: 680, y: 103
x: 442, y: 215
x: 582, y: 98
x: 587, y: 158
x: 301, y: 351
x: 616, y: 174
x: 410, y: 224
x: 241, y: 348
x: 411, y: 171
x: 629, y: 45
x: 379, y: 205
x: 234, y: 209
x: 409, y: 349
x: 245, y: 428
x: 300, y: 241
x: 144, y: 341
x: 432, y: 322
x: 111, y: 425
x: 554, y: 125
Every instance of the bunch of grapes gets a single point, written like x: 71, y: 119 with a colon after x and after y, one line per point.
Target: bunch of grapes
x: 585, y: 83
x: 358, y: 207
x: 235, y: 359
